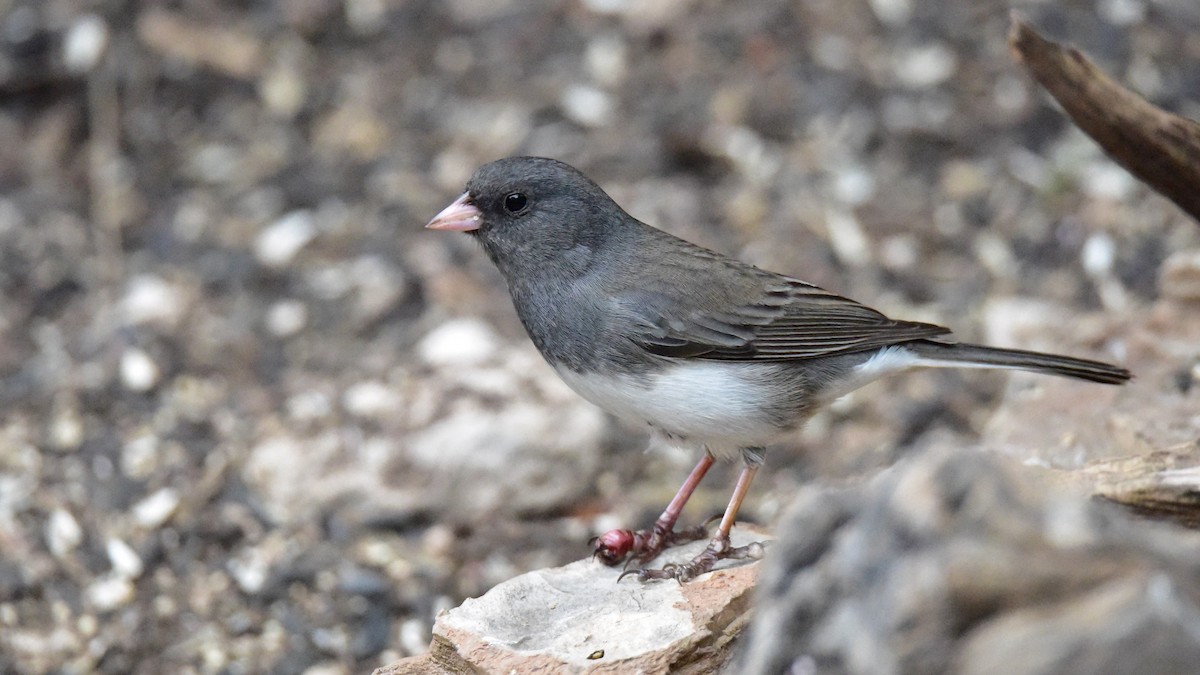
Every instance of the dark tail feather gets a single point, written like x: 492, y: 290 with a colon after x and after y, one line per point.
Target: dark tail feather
x: 979, y: 356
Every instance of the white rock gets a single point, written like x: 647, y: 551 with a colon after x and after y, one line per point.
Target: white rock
x: 150, y: 299
x: 606, y: 59
x: 139, y: 372
x: 109, y: 592
x: 414, y: 636
x: 279, y: 244
x: 308, y: 406
x: 126, y: 563
x: 853, y: 186
x: 157, y: 508
x: 892, y: 12
x: 1107, y: 180
x: 285, y: 318
x: 371, y: 399
x: 459, y: 343
x: 1098, y: 254
x: 66, y: 429
x: 846, y: 237
x: 587, y: 106
x: 1121, y: 12
x: 84, y: 43
x: 63, y: 533
x: 925, y: 66
x: 249, y: 570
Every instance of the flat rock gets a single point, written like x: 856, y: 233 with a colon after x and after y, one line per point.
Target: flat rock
x: 578, y: 619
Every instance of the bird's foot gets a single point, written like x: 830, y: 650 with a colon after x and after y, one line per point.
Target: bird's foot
x: 643, y: 546
x: 718, y: 549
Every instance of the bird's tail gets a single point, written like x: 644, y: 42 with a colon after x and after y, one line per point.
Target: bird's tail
x: 979, y: 356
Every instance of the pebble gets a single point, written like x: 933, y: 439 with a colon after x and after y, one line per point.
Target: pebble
x: 249, y: 570
x: 606, y: 60
x: 84, y: 43
x: 1105, y: 179
x: 925, y: 66
x: 892, y: 12
x: 157, y: 508
x: 151, y: 299
x: 126, y: 563
x: 415, y: 635
x: 63, y: 533
x: 66, y: 429
x: 139, y: 372
x: 1121, y: 12
x: 286, y: 318
x: 1098, y: 254
x: 460, y: 343
x: 140, y: 454
x: 279, y: 243
x: 110, y: 592
x: 371, y: 399
x: 587, y: 106
x: 853, y: 186
x: 846, y: 237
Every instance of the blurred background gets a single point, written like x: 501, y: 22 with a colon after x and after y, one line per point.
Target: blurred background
x: 253, y: 418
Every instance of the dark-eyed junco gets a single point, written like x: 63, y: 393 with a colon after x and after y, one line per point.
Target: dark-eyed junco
x: 699, y: 346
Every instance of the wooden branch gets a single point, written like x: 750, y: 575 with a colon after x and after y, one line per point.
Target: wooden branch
x: 1160, y: 148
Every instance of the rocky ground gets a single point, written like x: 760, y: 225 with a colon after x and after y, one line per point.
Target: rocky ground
x: 253, y: 418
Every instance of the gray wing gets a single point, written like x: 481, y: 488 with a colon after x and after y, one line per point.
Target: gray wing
x: 789, y: 320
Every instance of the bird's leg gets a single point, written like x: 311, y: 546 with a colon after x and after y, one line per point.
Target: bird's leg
x: 719, y: 548
x: 613, y: 546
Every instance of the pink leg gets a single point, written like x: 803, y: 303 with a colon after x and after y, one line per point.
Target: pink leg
x: 719, y: 548
x: 613, y: 546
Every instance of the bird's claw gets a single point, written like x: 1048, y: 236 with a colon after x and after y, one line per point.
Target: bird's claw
x: 718, y: 549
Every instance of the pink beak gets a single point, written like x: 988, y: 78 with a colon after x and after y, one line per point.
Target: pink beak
x: 460, y: 216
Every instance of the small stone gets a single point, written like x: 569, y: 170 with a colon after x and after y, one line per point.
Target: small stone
x: 1098, y: 254
x: 156, y: 509
x: 606, y: 59
x: 925, y: 66
x: 150, y: 299
x: 1121, y: 12
x: 1104, y: 179
x: 279, y: 244
x: 286, y: 318
x: 853, y: 186
x: 415, y: 636
x: 892, y: 12
x: 109, y: 593
x: 459, y: 343
x: 84, y: 43
x: 126, y: 563
x: 63, y: 533
x: 587, y: 106
x: 66, y: 429
x: 283, y: 90
x: 249, y: 570
x: 140, y: 454
x: 847, y: 238
x: 371, y: 399
x: 139, y: 372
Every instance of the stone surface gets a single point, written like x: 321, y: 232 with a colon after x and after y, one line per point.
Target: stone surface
x: 579, y: 619
x: 964, y: 562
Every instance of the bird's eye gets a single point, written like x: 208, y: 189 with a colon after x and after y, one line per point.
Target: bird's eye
x: 515, y: 202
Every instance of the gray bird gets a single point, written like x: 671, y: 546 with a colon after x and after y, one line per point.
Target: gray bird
x: 701, y: 347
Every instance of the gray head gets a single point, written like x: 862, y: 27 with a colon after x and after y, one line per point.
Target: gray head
x: 534, y: 215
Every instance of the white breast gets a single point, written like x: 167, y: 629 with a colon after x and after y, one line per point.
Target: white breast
x: 720, y: 405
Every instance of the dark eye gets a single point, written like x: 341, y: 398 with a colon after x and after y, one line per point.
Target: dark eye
x: 515, y: 202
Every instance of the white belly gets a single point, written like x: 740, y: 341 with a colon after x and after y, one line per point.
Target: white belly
x: 720, y: 405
